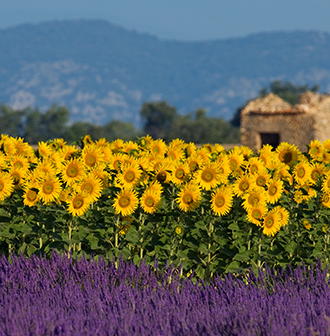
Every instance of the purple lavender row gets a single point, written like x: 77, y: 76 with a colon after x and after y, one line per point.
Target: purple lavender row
x: 63, y: 296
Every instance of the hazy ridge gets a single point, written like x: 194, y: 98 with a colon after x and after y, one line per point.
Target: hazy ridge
x: 101, y: 71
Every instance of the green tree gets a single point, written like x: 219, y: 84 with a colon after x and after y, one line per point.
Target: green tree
x: 158, y: 118
x: 117, y: 129
x: 198, y: 128
x: 44, y: 126
x: 11, y: 121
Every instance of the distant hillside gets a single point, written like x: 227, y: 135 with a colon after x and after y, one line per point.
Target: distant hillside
x: 102, y: 72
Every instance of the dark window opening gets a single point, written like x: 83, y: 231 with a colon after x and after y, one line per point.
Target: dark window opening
x: 272, y: 139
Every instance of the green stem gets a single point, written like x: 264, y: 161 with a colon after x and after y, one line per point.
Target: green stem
x: 259, y: 250
x: 70, y: 235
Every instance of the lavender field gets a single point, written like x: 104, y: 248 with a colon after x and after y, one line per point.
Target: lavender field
x: 64, y: 296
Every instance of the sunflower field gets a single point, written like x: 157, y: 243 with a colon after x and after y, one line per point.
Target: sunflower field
x: 203, y: 210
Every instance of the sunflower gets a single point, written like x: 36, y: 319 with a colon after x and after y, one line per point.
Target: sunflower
x: 46, y: 167
x: 175, y: 153
x: 150, y: 200
x: 210, y: 148
x: 176, y: 143
x: 87, y: 140
x: 287, y: 153
x: 237, y: 173
x: 18, y: 177
x: 49, y: 188
x: 158, y: 147
x: 163, y: 173
x: 266, y: 154
x: 126, y: 202
x: 284, y: 214
x: 262, y: 178
x: 190, y: 149
x: 156, y: 187
x: 246, y: 152
x: 19, y: 162
x: 222, y: 200
x: 317, y: 171
x: 236, y: 159
x: 304, y: 193
x: 223, y: 167
x: 100, y: 173
x: 92, y: 155
x: 194, y: 162
x: 117, y: 145
x: 73, y: 171
x: 274, y: 190
x: 255, y: 197
x: 92, y: 186
x: 315, y: 149
x: 180, y: 173
x: 131, y: 148
x: 255, y: 165
x: 272, y: 223
x: 326, y: 182
x: 6, y: 185
x: 8, y: 145
x: 208, y: 176
x: 243, y: 185
x: 281, y: 172
x: 30, y: 197
x: 302, y: 172
x: 325, y: 200
x: 255, y: 214
x: 203, y: 155
x: 3, y: 161
x: 21, y: 147
x: 130, y: 176
x: 78, y: 204
x: 189, y: 197
x: 306, y: 224
x: 116, y: 161
x: 67, y: 152
x: 44, y: 150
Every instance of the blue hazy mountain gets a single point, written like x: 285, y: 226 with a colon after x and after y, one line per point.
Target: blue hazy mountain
x: 101, y: 71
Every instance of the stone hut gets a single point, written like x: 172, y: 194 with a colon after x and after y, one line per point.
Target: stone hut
x: 271, y: 120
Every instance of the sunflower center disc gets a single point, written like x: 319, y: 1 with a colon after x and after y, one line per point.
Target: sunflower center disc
x: 124, y: 201
x: 47, y: 188
x: 78, y: 203
x: 207, y: 176
x: 220, y: 201
x: 188, y: 199
x: 301, y: 172
x: 72, y: 172
x: 287, y: 157
x: 129, y: 176
x: 149, y: 201
x: 179, y: 173
x: 31, y: 195
x: 269, y: 223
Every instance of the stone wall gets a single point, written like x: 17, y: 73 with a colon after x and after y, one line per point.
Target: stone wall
x: 298, y: 125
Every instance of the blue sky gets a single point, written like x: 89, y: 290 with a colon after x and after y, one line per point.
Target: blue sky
x: 178, y: 19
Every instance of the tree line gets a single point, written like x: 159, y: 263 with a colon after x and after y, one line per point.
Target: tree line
x: 159, y: 120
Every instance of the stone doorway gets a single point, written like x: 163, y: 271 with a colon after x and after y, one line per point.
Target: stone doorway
x: 272, y: 139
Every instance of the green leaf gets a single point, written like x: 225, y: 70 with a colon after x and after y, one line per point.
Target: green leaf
x: 233, y: 267
x: 132, y: 235
x: 26, y: 228
x: 244, y: 256
x: 291, y: 247
x: 233, y: 227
